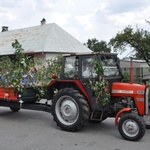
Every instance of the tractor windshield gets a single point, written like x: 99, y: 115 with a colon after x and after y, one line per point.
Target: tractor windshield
x: 110, y: 65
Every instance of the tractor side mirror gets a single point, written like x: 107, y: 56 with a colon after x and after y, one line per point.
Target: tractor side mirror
x: 145, y: 81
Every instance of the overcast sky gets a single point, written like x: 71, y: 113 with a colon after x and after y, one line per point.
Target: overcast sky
x: 83, y: 19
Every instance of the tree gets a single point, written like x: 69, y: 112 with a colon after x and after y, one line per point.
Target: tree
x: 138, y: 40
x: 97, y: 46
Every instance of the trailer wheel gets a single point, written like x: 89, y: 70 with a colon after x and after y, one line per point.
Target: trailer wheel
x: 70, y: 110
x: 14, y: 109
x: 147, y: 121
x: 131, y: 127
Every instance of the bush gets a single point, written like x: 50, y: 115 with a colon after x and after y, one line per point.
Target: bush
x: 126, y: 77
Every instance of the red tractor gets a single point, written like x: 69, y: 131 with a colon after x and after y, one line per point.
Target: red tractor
x: 74, y: 102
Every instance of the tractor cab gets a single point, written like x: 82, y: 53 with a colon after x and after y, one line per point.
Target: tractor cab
x: 81, y: 67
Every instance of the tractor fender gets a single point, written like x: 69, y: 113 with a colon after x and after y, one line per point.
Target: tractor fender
x: 119, y: 113
x: 78, y: 83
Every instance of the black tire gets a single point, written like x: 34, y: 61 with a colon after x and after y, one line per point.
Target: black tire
x: 70, y: 110
x: 14, y: 109
x: 147, y: 121
x: 131, y: 127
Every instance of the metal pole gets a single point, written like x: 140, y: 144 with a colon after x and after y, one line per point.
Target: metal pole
x: 131, y: 71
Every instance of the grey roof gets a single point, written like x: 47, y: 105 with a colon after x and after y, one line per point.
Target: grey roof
x: 42, y: 38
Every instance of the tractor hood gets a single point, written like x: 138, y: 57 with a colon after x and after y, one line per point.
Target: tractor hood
x: 123, y: 89
x: 139, y: 92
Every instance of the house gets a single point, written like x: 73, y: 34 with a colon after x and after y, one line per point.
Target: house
x: 44, y: 41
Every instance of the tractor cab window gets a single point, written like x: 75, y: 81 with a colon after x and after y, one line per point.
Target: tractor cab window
x: 87, y: 68
x: 70, y: 67
x: 109, y: 64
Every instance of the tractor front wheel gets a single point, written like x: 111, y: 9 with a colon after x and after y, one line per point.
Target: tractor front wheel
x: 70, y: 109
x: 131, y: 127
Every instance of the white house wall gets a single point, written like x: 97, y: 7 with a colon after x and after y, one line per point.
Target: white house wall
x: 41, y: 57
x: 45, y: 56
x: 49, y: 56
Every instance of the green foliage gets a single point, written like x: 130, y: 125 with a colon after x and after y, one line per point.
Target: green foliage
x: 97, y: 46
x: 12, y: 71
x: 100, y: 86
x: 126, y: 77
x: 138, y: 40
x: 44, y: 74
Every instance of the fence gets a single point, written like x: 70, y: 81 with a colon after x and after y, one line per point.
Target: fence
x: 139, y: 73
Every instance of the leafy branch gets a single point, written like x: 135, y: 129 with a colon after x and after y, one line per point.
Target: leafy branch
x: 100, y: 86
x: 12, y: 70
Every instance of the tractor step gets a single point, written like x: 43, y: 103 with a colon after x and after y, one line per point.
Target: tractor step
x: 97, y: 116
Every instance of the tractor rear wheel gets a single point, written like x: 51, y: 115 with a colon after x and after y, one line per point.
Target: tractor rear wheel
x: 70, y: 110
x: 14, y: 109
x: 131, y: 127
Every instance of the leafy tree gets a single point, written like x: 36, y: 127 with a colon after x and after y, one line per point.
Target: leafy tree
x: 138, y: 40
x: 97, y: 46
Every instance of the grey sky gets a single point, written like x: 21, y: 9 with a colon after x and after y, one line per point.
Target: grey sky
x: 83, y: 19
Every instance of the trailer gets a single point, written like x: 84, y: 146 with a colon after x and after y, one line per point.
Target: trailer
x: 26, y: 99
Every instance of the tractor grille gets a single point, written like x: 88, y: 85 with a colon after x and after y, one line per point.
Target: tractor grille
x: 146, y: 100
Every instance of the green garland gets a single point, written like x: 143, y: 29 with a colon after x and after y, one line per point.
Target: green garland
x: 99, y: 86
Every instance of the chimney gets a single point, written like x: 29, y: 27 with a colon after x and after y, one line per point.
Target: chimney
x: 4, y: 28
x: 43, y: 21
